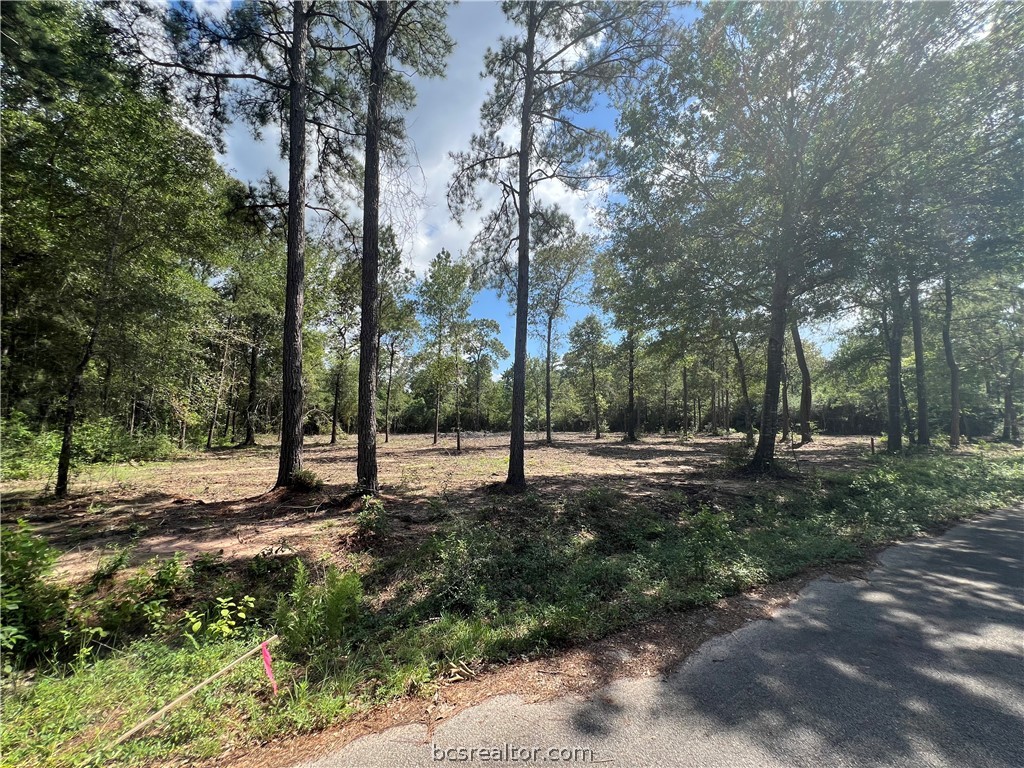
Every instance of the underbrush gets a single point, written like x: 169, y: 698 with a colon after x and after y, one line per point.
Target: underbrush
x: 28, y: 452
x: 521, y: 575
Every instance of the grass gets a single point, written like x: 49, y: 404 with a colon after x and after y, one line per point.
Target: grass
x: 519, y: 575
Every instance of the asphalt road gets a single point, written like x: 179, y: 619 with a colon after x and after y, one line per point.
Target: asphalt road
x: 922, y: 664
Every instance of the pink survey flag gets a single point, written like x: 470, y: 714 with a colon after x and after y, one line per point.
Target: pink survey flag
x: 267, y: 667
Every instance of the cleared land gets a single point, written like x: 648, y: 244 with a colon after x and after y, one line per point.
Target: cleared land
x: 219, y: 502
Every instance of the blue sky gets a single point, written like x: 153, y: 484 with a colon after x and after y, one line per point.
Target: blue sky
x: 443, y: 120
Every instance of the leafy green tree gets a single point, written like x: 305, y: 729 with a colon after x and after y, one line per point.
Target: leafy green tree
x: 483, y: 349
x: 106, y: 189
x: 586, y: 361
x: 545, y: 78
x: 444, y: 299
x: 772, y: 121
x: 343, y: 319
x: 559, y: 274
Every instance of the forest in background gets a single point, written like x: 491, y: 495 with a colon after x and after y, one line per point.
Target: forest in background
x: 867, y: 173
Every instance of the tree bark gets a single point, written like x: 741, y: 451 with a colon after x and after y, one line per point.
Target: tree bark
x: 954, y: 370
x: 686, y: 403
x: 764, y: 455
x: 907, y: 419
x: 923, y: 433
x: 785, y: 403
x: 547, y: 381
x: 597, y: 407
x: 458, y: 404
x: 748, y: 411
x: 74, y: 390
x: 250, y: 408
x: 805, y: 386
x: 366, y: 451
x: 220, y: 387
x: 631, y: 399
x: 291, y: 390
x: 387, y: 392
x: 334, y: 406
x: 517, y: 445
x: 894, y: 343
x: 229, y: 403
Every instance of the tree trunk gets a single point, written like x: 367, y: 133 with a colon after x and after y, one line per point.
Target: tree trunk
x: 107, y: 376
x: 785, y: 403
x: 954, y: 370
x: 74, y: 390
x: 1010, y: 430
x: 220, y: 387
x: 748, y: 411
x: 597, y: 407
x: 250, y: 408
x: 387, y: 393
x: 366, y: 451
x: 547, y: 381
x: 229, y: 403
x: 291, y: 389
x: 437, y: 411
x: 907, y: 420
x: 894, y: 343
x: 458, y: 404
x: 631, y: 404
x: 517, y: 446
x: 805, y: 386
x: 334, y: 407
x: 923, y: 434
x: 764, y: 456
x: 686, y: 403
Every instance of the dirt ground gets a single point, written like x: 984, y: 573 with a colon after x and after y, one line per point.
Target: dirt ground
x: 220, y: 502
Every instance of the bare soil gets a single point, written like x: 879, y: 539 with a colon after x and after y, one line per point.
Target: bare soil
x: 221, y: 502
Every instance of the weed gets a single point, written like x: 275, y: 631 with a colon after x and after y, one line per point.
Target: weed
x: 372, y: 519
x: 307, y: 480
x: 316, y: 619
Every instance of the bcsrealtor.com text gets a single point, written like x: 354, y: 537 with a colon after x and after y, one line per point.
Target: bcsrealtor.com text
x: 510, y: 753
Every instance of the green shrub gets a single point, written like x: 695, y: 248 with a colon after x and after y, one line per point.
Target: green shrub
x: 26, y: 451
x: 29, y: 452
x: 32, y: 609
x: 319, y: 619
x: 306, y: 480
x: 372, y: 519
